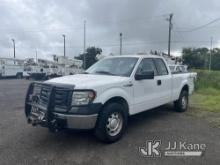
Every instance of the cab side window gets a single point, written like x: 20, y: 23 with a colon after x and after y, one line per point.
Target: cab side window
x: 146, y: 65
x: 161, y: 67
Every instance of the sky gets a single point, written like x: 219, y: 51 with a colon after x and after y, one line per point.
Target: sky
x: 38, y: 25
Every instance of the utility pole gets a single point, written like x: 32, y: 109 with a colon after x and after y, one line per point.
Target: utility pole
x: 36, y: 56
x: 84, y: 45
x: 13, y: 40
x: 210, y: 57
x: 120, y: 43
x: 64, y: 45
x: 170, y: 28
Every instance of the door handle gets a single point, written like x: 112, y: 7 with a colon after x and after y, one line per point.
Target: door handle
x: 159, y: 82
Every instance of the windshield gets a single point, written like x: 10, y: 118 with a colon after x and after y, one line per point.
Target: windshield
x: 118, y: 66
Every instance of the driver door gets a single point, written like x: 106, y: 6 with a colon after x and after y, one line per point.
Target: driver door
x: 145, y: 91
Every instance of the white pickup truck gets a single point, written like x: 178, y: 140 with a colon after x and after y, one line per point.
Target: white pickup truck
x: 107, y: 94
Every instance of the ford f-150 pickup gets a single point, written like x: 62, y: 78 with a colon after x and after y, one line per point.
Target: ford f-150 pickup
x: 104, y: 96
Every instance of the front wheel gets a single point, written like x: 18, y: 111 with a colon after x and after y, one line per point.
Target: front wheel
x: 181, y: 105
x: 112, y: 122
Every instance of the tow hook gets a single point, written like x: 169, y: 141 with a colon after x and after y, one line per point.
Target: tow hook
x: 54, y: 127
x: 32, y: 121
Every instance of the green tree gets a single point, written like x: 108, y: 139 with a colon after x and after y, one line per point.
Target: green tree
x: 199, y: 58
x: 215, y: 59
x: 195, y: 57
x: 90, y: 56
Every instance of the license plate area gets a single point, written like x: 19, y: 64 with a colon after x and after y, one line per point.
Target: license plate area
x: 37, y: 114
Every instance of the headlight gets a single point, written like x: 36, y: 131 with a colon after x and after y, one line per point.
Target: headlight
x: 83, y: 97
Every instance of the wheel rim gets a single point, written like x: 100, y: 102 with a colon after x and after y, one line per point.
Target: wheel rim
x: 114, y: 124
x: 184, y: 102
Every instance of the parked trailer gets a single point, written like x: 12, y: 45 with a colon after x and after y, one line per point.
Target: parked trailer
x: 10, y: 67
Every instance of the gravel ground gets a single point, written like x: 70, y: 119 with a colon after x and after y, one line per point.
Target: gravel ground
x: 21, y: 143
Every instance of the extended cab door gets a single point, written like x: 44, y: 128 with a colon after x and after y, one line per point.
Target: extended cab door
x: 145, y: 90
x: 164, y: 82
x: 150, y: 93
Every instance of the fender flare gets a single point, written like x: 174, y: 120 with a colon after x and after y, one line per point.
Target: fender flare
x: 114, y: 93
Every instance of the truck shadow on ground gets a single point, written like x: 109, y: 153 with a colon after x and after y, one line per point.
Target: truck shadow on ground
x: 152, y: 114
x: 141, y: 120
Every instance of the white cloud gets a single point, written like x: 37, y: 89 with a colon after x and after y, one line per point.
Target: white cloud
x: 40, y: 24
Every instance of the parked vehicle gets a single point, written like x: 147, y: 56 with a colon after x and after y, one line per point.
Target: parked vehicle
x: 35, y: 71
x: 107, y: 94
x: 10, y: 67
x: 45, y: 69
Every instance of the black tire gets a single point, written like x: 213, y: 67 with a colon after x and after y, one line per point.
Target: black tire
x: 181, y: 105
x: 45, y: 77
x: 101, y: 130
x: 19, y: 76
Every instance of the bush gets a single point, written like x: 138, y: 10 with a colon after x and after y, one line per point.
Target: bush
x: 207, y: 80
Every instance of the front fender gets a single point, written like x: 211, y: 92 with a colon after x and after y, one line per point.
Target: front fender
x: 114, y: 92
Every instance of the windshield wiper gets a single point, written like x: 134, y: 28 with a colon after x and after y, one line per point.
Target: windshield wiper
x: 104, y: 72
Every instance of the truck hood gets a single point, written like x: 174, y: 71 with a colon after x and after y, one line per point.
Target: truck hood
x: 89, y: 81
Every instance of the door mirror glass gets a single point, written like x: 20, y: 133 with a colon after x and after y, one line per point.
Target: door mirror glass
x: 144, y: 75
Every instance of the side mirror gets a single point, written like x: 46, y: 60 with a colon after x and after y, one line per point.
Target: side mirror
x: 145, y: 75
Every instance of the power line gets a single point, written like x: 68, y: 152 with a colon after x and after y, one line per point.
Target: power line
x: 124, y: 44
x: 71, y: 28
x: 200, y: 27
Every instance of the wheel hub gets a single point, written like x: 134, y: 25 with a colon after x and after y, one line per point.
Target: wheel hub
x: 114, y: 124
x: 184, y: 102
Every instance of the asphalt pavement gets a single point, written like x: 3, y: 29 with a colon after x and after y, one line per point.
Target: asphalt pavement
x: 21, y: 143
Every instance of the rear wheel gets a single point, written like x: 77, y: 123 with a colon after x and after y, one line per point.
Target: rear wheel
x: 112, y: 122
x: 181, y: 105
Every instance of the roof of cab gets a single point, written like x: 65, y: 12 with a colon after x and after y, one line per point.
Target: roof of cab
x: 137, y: 56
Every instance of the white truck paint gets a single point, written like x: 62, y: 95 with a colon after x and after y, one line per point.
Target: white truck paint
x: 142, y: 96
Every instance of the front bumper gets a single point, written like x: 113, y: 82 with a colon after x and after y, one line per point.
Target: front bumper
x: 78, y: 121
x: 55, y: 118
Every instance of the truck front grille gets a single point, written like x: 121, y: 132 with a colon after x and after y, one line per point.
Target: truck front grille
x: 61, y: 97
x: 44, y: 95
x: 49, y: 97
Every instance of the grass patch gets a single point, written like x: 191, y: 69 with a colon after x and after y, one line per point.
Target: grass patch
x: 207, y: 79
x: 209, y: 102
x: 205, y: 102
x: 207, y: 91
